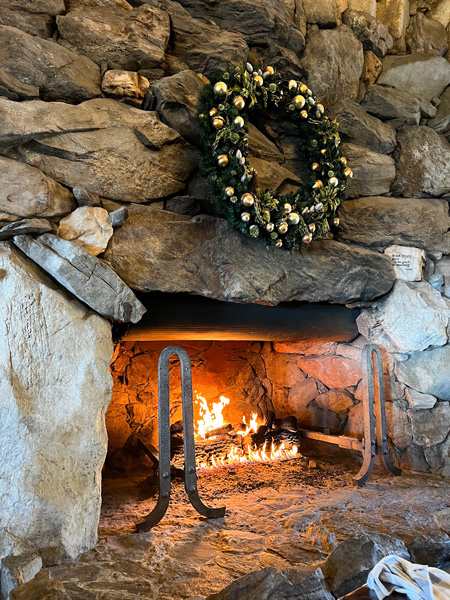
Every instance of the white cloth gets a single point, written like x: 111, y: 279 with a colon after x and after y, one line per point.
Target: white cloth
x: 418, y: 582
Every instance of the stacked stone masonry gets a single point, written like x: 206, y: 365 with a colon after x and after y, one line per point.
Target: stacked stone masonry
x: 98, y: 112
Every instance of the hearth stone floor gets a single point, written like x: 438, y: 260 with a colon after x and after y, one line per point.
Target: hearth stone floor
x: 282, y: 515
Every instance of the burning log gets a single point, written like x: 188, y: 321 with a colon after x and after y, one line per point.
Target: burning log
x: 219, y: 431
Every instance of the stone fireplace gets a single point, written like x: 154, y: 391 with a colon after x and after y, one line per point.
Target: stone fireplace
x: 110, y: 250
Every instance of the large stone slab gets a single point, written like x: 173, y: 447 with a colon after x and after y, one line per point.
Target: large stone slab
x: 203, y: 255
x: 121, y: 38
x: 34, y: 24
x: 88, y: 278
x: 24, y: 226
x: 46, y: 7
x: 389, y: 103
x: 27, y: 192
x: 324, y: 14
x: 373, y: 173
x: 422, y: 158
x: 177, y: 100
x: 57, y: 73
x: 413, y: 317
x: 114, y: 150
x: 203, y: 46
x: 373, y: 35
x: 441, y: 122
x: 422, y: 75
x: 360, y: 128
x: 378, y: 222
x: 56, y: 385
x: 427, y: 372
x: 333, y: 63
x: 441, y: 12
x: 430, y: 427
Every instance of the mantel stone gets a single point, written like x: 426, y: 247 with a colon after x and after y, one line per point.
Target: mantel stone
x: 203, y: 255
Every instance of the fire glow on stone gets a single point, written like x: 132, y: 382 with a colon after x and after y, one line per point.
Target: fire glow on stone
x: 212, y: 419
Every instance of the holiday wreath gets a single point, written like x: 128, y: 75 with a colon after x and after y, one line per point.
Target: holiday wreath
x: 284, y: 221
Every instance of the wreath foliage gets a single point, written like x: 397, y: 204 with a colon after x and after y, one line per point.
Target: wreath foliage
x: 289, y: 220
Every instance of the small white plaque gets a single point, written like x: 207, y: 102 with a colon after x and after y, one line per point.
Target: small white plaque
x: 407, y: 262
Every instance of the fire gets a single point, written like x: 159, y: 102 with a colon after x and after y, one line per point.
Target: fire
x: 212, y: 419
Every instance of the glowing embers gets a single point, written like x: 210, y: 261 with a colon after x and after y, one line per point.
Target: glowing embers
x: 220, y: 444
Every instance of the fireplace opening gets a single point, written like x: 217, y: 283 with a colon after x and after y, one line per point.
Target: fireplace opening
x: 261, y: 375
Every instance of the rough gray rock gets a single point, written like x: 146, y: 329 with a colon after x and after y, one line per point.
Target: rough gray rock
x: 88, y: 278
x: 89, y: 226
x: 373, y: 35
x: 378, y: 222
x: 413, y: 317
x: 257, y: 21
x: 441, y: 122
x: 45, y: 7
x: 348, y: 566
x: 177, y: 99
x: 27, y: 192
x: 55, y: 72
x: 432, y: 549
x: 126, y: 86
x: 426, y: 36
x: 204, y: 47
x: 427, y: 372
x: 441, y: 12
x: 389, y: 103
x: 329, y: 72
x: 275, y: 177
x: 373, y: 173
x: 395, y: 15
x: 121, y: 38
x: 422, y: 75
x: 56, y: 385
x: 24, y: 226
x: 261, y: 147
x: 40, y: 25
x: 358, y: 127
x: 324, y: 14
x: 203, y: 255
x: 430, y: 427
x: 422, y: 158
x: 114, y: 150
x: 419, y: 401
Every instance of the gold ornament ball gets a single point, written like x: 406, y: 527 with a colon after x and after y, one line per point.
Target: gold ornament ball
x: 304, y: 114
x: 303, y: 88
x: 299, y: 101
x: 348, y: 172
x: 318, y: 185
x: 343, y: 160
x: 287, y: 208
x: 239, y: 102
x: 220, y: 88
x: 239, y: 121
x: 282, y: 228
x: 294, y: 218
x: 279, y: 243
x: 307, y: 238
x: 292, y: 84
x: 247, y: 199
x: 222, y: 160
x: 320, y: 108
x: 269, y: 227
x: 218, y: 122
x: 315, y: 166
x: 333, y: 181
x: 245, y: 217
x: 323, y: 151
x: 312, y: 227
x: 259, y: 81
x: 311, y: 101
x: 213, y: 112
x: 336, y: 221
x: 270, y: 70
x: 229, y: 191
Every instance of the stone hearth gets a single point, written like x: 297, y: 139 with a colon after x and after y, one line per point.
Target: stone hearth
x: 102, y: 203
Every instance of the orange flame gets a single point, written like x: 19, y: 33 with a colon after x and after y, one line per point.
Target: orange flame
x: 211, y: 419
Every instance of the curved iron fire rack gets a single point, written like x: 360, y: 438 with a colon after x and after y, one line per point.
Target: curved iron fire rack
x: 375, y: 435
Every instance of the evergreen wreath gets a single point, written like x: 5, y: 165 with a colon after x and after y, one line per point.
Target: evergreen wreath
x: 286, y: 221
